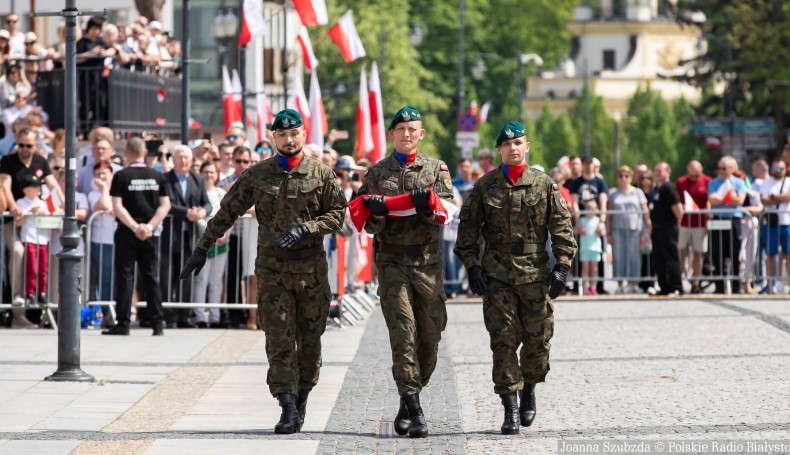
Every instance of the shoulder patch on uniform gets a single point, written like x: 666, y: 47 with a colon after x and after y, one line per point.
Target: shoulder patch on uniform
x: 554, y: 185
x: 443, y: 167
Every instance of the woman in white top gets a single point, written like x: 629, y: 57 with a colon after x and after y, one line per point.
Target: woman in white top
x: 208, y: 283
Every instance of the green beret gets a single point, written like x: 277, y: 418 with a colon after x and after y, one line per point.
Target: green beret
x: 405, y: 114
x: 286, y: 119
x: 510, y: 131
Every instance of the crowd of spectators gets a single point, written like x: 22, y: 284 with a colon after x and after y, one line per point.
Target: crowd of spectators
x: 140, y: 46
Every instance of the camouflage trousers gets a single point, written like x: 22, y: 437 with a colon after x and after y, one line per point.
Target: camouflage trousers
x: 293, y: 309
x: 518, y: 315
x: 413, y: 304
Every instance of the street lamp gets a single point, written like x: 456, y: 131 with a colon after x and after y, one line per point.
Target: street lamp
x: 223, y: 28
x: 524, y: 59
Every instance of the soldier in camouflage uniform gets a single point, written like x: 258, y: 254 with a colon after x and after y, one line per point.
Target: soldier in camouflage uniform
x: 516, y: 208
x: 297, y: 202
x: 409, y: 263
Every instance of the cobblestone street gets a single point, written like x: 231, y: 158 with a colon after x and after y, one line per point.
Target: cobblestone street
x: 646, y: 369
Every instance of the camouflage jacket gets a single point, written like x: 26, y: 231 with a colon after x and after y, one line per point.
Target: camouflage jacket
x: 389, y: 178
x: 523, y: 213
x: 308, y: 195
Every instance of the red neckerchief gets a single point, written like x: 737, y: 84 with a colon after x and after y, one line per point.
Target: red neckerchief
x: 513, y: 173
x: 294, y: 161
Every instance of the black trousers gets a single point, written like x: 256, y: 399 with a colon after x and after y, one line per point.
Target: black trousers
x: 128, y: 251
x: 666, y: 259
x: 726, y: 244
x: 233, y: 281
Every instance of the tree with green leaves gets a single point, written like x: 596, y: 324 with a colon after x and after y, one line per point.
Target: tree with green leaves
x: 601, y: 131
x: 651, y: 128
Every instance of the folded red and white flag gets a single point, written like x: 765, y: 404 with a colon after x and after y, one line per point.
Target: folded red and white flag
x: 401, y: 206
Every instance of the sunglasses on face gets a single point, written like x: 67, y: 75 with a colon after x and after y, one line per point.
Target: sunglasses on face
x: 722, y: 168
x: 57, y: 168
x: 25, y: 146
x: 777, y: 169
x: 10, y: 21
x: 232, y: 137
x: 242, y: 161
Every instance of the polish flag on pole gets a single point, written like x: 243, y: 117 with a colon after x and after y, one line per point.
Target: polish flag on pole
x: 345, y: 36
x: 236, y: 84
x: 364, y: 136
x: 725, y: 192
x: 300, y: 102
x: 484, y: 111
x: 231, y: 106
x: 311, y: 12
x: 264, y: 113
x: 252, y: 23
x: 310, y: 61
x: 318, y: 123
x: 376, y: 116
x: 688, y: 203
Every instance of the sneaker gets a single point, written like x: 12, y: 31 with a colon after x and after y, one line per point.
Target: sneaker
x: 42, y: 299
x: 652, y: 291
x: 588, y: 291
x: 159, y: 330
x: 117, y: 330
x: 30, y: 301
x: 594, y: 291
x: 18, y: 300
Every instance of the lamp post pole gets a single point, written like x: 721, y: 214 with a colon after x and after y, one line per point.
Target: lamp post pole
x: 461, y: 93
x: 185, y: 106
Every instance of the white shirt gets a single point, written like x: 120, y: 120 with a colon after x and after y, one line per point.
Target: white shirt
x: 17, y: 45
x: 29, y: 232
x: 102, y: 226
x: 80, y: 202
x: 773, y: 186
x: 11, y: 114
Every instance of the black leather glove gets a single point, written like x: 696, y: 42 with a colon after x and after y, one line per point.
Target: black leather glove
x: 419, y: 197
x: 557, y: 280
x: 195, y: 262
x: 377, y: 206
x: 292, y: 236
x: 478, y: 282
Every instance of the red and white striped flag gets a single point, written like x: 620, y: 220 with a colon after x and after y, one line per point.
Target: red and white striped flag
x: 364, y: 136
x: 252, y: 23
x: 231, y: 105
x: 300, y: 102
x: 725, y: 192
x: 345, y: 36
x: 378, y: 130
x: 311, y: 12
x: 401, y: 206
x: 310, y: 61
x: 318, y: 123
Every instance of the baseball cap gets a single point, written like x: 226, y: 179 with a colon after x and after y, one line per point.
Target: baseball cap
x: 30, y: 37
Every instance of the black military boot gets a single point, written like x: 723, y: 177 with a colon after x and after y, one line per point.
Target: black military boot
x: 402, y: 419
x: 418, y: 427
x: 301, y: 405
x: 289, y: 419
x: 527, y: 410
x: 510, y: 402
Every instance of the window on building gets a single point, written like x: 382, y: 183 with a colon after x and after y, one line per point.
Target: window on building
x: 608, y: 59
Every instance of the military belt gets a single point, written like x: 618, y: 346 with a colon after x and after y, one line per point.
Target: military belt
x: 518, y: 249
x: 294, y: 254
x: 409, y: 250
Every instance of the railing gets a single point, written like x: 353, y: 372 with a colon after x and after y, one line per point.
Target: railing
x: 124, y: 100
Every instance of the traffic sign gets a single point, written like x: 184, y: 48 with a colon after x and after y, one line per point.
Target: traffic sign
x: 467, y: 141
x: 468, y: 122
x: 757, y: 133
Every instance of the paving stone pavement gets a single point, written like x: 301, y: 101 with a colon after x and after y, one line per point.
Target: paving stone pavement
x: 657, y: 369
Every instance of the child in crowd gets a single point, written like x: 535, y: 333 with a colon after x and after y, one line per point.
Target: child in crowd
x: 590, y: 248
x: 35, y: 240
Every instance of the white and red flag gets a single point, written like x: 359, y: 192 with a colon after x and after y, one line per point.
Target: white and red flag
x: 725, y: 192
x: 688, y: 203
x: 401, y: 206
x: 312, y: 12
x: 345, y: 36
x: 318, y: 123
x: 301, y: 103
x: 252, y: 23
x: 303, y: 38
x: 377, y: 128
x: 364, y: 136
x: 231, y: 104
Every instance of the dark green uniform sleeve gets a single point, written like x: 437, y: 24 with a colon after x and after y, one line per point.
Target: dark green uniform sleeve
x: 443, y: 187
x: 333, y: 206
x: 238, y: 200
x: 467, y: 247
x: 563, y: 243
x: 370, y: 186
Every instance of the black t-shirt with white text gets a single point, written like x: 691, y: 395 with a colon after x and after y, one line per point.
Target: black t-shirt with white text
x: 588, y: 189
x: 12, y: 165
x: 139, y: 189
x: 664, y: 197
